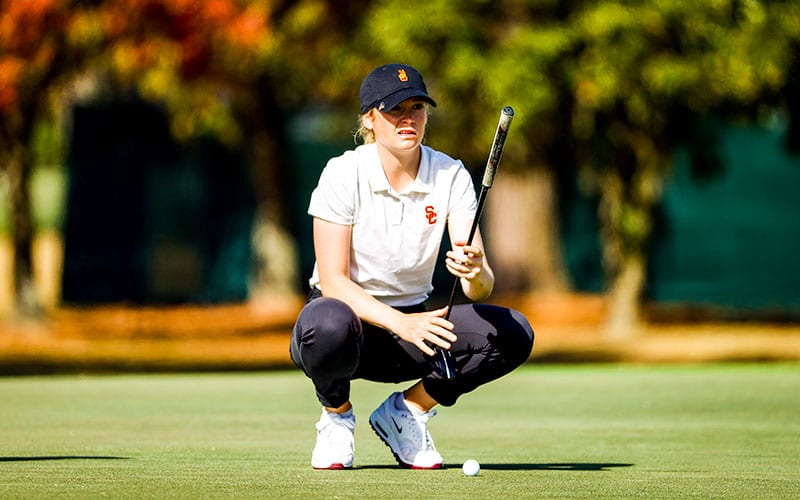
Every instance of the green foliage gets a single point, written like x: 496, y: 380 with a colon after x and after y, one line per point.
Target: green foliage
x: 48, y: 192
x: 48, y: 197
x: 46, y: 145
x: 607, y: 88
x: 635, y: 62
x: 5, y: 208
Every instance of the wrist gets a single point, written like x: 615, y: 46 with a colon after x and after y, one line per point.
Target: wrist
x: 393, y: 321
x: 479, y: 288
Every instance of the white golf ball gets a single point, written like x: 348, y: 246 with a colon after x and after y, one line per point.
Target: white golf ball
x: 471, y: 467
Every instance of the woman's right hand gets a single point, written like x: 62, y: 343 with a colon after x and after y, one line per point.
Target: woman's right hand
x: 425, y: 329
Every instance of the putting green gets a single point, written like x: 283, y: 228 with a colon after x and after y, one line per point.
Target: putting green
x: 589, y: 431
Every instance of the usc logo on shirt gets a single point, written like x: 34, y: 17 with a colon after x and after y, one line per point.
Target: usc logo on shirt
x: 430, y: 214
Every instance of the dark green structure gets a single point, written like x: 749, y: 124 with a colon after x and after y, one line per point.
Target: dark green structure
x: 727, y: 241
x: 149, y: 220
x: 733, y: 240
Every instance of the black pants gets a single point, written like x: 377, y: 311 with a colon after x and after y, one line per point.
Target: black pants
x: 332, y: 346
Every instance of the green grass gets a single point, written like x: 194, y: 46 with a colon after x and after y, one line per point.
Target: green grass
x: 598, y: 431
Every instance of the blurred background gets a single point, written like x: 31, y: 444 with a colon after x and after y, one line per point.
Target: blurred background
x: 157, y: 157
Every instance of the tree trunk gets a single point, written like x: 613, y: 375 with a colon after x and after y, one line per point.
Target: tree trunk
x: 625, y: 215
x: 623, y: 312
x: 18, y: 172
x: 520, y: 227
x: 276, y: 258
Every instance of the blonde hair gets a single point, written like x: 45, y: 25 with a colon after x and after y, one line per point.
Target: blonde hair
x: 362, y: 133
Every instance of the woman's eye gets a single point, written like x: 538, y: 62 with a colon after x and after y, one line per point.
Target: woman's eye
x: 399, y: 110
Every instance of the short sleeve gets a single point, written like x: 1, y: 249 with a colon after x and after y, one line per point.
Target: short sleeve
x: 463, y: 202
x: 333, y: 199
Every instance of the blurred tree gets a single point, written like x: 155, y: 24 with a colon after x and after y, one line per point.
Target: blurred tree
x: 183, y: 54
x: 604, y: 91
x: 478, y: 57
x: 309, y: 69
x: 642, y: 74
x: 32, y: 59
x: 215, y: 66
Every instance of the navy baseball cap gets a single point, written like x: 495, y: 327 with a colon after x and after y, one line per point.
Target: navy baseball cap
x: 387, y: 86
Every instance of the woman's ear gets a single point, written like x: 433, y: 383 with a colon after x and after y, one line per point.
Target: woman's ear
x: 366, y: 120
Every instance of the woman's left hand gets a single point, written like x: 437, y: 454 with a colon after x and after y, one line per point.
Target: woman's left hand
x: 464, y: 261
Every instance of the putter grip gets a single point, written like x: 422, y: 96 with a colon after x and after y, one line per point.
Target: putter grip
x: 497, y: 146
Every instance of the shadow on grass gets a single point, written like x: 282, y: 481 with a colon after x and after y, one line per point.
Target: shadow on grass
x: 556, y: 466
x: 553, y: 466
x: 58, y: 457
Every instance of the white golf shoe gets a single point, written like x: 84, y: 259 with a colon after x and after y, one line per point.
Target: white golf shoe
x: 406, y: 434
x: 335, y: 441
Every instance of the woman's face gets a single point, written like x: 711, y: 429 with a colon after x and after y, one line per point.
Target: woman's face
x: 401, y: 128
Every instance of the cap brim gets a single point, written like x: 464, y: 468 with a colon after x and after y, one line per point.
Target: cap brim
x: 401, y: 95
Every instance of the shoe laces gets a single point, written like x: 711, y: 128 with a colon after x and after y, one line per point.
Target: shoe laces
x: 422, y: 425
x: 336, y: 428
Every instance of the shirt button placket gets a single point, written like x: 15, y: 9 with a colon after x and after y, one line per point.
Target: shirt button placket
x: 397, y: 221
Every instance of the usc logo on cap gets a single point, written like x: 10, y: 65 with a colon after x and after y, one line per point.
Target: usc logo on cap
x: 401, y: 74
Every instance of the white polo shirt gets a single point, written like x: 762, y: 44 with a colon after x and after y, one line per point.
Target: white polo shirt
x: 396, y: 236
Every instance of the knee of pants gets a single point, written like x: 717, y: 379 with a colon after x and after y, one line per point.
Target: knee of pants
x: 520, y: 339
x: 328, y: 336
x: 512, y: 337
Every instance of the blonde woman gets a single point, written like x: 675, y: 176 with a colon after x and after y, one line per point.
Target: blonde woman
x: 379, y: 214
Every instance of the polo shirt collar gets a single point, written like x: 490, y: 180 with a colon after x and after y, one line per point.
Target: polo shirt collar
x: 379, y: 183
